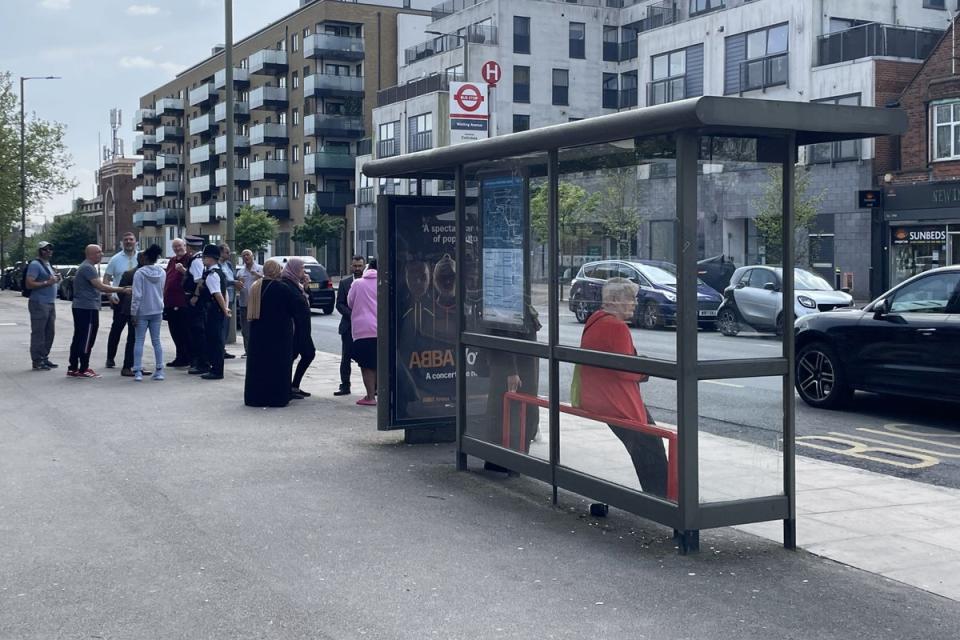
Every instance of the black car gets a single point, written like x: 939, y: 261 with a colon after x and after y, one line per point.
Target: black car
x: 322, y: 294
x: 67, y: 274
x: 906, y: 342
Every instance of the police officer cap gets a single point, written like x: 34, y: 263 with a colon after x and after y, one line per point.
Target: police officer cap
x: 211, y: 251
x: 194, y: 241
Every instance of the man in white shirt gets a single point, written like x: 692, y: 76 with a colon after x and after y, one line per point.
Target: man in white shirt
x: 248, y: 273
x: 120, y: 263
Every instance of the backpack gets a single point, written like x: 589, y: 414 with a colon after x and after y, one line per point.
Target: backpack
x: 189, y: 284
x: 24, y: 290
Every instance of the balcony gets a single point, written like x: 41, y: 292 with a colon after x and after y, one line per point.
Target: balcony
x: 203, y: 213
x: 221, y: 208
x: 166, y: 188
x: 327, y: 45
x: 875, y: 39
x: 169, y: 134
x: 451, y: 7
x: 140, y: 217
x: 475, y: 34
x: 144, y: 192
x: 241, y: 79
x: 167, y: 161
x: 270, y: 133
x: 201, y: 154
x: 144, y: 116
x: 144, y: 166
x: 269, y: 62
x: 365, y: 195
x: 329, y: 162
x: 666, y: 90
x: 241, y: 175
x: 334, y: 125
x: 241, y: 112
x: 388, y: 148
x: 241, y: 144
x: 320, y: 85
x: 202, y: 125
x: 658, y: 15
x: 328, y: 201
x: 201, y: 184
x: 166, y: 216
x: 419, y: 141
x: 273, y: 170
x: 277, y: 206
x: 202, y: 95
x: 169, y: 107
x: 430, y: 84
x: 144, y: 141
x: 266, y: 97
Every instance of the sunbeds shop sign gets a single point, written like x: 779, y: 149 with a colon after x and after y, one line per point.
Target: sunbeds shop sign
x: 919, y: 235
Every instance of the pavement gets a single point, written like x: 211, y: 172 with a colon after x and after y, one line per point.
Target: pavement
x: 170, y: 510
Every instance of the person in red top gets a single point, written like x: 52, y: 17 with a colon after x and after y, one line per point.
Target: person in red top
x: 616, y: 394
x: 175, y: 303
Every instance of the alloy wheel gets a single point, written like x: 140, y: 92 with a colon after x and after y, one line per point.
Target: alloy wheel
x: 815, y: 375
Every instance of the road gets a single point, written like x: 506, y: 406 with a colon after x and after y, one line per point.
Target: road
x: 906, y: 438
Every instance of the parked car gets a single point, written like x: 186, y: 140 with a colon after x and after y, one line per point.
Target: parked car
x: 716, y: 271
x: 754, y: 299
x: 906, y: 342
x: 656, y: 299
x: 6, y: 278
x: 320, y: 288
x: 67, y: 273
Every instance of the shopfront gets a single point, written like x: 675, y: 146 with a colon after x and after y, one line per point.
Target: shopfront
x: 922, y: 229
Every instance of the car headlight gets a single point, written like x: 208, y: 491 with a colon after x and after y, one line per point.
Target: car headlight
x: 807, y: 302
x: 671, y: 297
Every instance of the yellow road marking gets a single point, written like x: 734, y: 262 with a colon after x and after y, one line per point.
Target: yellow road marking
x: 862, y: 451
x: 921, y: 440
x: 898, y: 428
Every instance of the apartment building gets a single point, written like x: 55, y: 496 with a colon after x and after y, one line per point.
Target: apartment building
x: 565, y: 59
x: 302, y: 89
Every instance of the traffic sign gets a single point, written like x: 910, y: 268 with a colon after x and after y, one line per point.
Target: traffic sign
x: 491, y: 72
x: 468, y: 97
x: 469, y: 112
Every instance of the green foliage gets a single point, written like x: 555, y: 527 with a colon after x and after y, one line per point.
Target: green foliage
x: 575, y: 207
x: 70, y: 235
x: 770, y: 214
x: 318, y: 229
x: 618, y: 213
x: 254, y: 229
x: 46, y: 159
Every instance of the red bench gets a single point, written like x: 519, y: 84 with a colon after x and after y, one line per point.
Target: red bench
x: 650, y: 429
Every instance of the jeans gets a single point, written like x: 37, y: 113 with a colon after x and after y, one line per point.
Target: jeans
x: 151, y: 322
x: 86, y: 323
x: 43, y: 317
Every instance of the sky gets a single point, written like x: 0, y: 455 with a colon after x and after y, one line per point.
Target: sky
x: 109, y: 53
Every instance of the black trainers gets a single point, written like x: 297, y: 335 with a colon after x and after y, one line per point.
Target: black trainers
x: 40, y: 366
x: 52, y: 365
x: 228, y: 356
x: 197, y: 371
x: 342, y: 391
x: 110, y: 364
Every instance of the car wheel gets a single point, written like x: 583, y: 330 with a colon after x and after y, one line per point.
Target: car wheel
x: 327, y: 310
x: 728, y: 322
x: 820, y: 379
x: 650, y: 316
x: 581, y: 312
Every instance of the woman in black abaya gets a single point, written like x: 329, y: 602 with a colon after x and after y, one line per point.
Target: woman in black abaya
x: 270, y: 310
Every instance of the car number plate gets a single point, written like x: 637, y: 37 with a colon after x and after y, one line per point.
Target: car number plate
x: 313, y: 286
x: 708, y: 313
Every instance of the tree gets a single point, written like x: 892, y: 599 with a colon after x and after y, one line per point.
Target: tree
x: 46, y: 161
x: 318, y: 229
x: 618, y: 214
x: 254, y: 229
x: 769, y: 220
x: 70, y: 235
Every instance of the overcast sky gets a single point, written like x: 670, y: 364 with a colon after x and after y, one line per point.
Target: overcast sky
x: 109, y: 53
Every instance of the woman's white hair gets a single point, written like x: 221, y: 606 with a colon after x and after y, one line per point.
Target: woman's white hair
x: 619, y: 290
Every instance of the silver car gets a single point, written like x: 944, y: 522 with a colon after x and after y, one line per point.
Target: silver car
x: 754, y: 299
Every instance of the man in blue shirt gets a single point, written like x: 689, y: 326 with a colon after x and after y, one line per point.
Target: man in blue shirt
x: 119, y: 264
x: 226, y: 265
x: 42, y: 281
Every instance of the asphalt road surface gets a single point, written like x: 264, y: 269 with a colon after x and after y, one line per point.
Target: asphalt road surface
x: 903, y: 437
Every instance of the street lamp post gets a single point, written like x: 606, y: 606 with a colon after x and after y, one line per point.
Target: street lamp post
x: 23, y: 167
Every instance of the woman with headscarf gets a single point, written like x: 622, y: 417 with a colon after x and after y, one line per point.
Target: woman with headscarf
x: 270, y: 311
x: 294, y: 276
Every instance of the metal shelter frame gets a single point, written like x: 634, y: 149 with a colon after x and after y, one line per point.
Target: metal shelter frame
x: 783, y: 127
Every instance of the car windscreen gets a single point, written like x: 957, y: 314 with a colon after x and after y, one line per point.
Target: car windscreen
x: 316, y: 272
x: 656, y: 275
x: 672, y: 270
x: 806, y: 281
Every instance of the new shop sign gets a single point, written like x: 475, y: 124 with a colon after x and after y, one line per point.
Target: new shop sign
x: 919, y: 235
x: 469, y: 112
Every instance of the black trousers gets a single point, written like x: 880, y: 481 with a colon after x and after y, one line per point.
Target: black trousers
x: 120, y: 322
x: 649, y: 458
x: 346, y: 344
x: 213, y: 337
x: 178, y: 321
x: 198, y: 343
x: 86, y: 323
x: 307, y: 353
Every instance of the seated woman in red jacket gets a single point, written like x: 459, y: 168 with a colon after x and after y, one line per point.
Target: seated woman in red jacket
x: 616, y: 394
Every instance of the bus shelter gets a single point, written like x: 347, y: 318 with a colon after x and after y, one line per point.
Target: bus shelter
x: 586, y: 350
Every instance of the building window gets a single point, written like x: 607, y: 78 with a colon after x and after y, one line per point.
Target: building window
x: 294, y: 154
x: 420, y: 132
x: 934, y: 4
x: 521, y: 34
x: 611, y: 44
x: 830, y: 152
x: 703, y: 6
x: 388, y: 140
x: 307, y: 148
x: 281, y: 245
x: 520, y: 123
x: 757, y: 59
x: 669, y: 77
x: 521, y: 84
x: 578, y: 40
x: 296, y: 116
x: 611, y: 91
x: 295, y: 42
x: 628, y: 89
x: 295, y: 191
x: 454, y: 73
x: 295, y: 76
x: 946, y: 131
x: 561, y: 87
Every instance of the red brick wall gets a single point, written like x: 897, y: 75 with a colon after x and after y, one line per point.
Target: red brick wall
x: 890, y: 79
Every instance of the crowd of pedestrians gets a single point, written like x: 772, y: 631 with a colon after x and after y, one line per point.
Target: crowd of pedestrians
x: 194, y: 294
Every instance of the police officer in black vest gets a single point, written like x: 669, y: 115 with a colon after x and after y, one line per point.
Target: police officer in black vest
x: 211, y: 299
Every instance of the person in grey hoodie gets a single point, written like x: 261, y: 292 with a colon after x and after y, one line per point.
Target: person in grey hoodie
x: 146, y: 308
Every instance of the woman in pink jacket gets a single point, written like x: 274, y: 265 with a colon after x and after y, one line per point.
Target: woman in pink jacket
x: 362, y: 301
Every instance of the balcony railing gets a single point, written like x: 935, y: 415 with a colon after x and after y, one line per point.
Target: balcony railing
x: 144, y: 192
x: 277, y: 206
x: 241, y: 78
x: 365, y: 147
x: 144, y: 116
x: 221, y: 208
x: 475, y: 34
x: 334, y: 47
x: 325, y: 124
x: 167, y: 161
x: 241, y: 111
x: 269, y: 62
x: 327, y: 84
x: 420, y: 141
x: 169, y: 188
x: 365, y: 195
x: 768, y: 71
x: 169, y: 134
x: 144, y: 166
x: 666, y: 90
x: 875, y: 39
x: 203, y: 213
x: 201, y: 184
x: 329, y: 201
x: 200, y: 154
x: 659, y: 15
x: 400, y: 92
x: 169, y: 106
x: 268, y: 98
x: 202, y: 124
x: 610, y: 98
x: 241, y: 175
x: 144, y: 141
x: 269, y: 170
x: 202, y: 94
x: 241, y: 144
x: 628, y: 98
x: 450, y: 7
x: 270, y: 133
x: 323, y: 161
x: 388, y: 148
